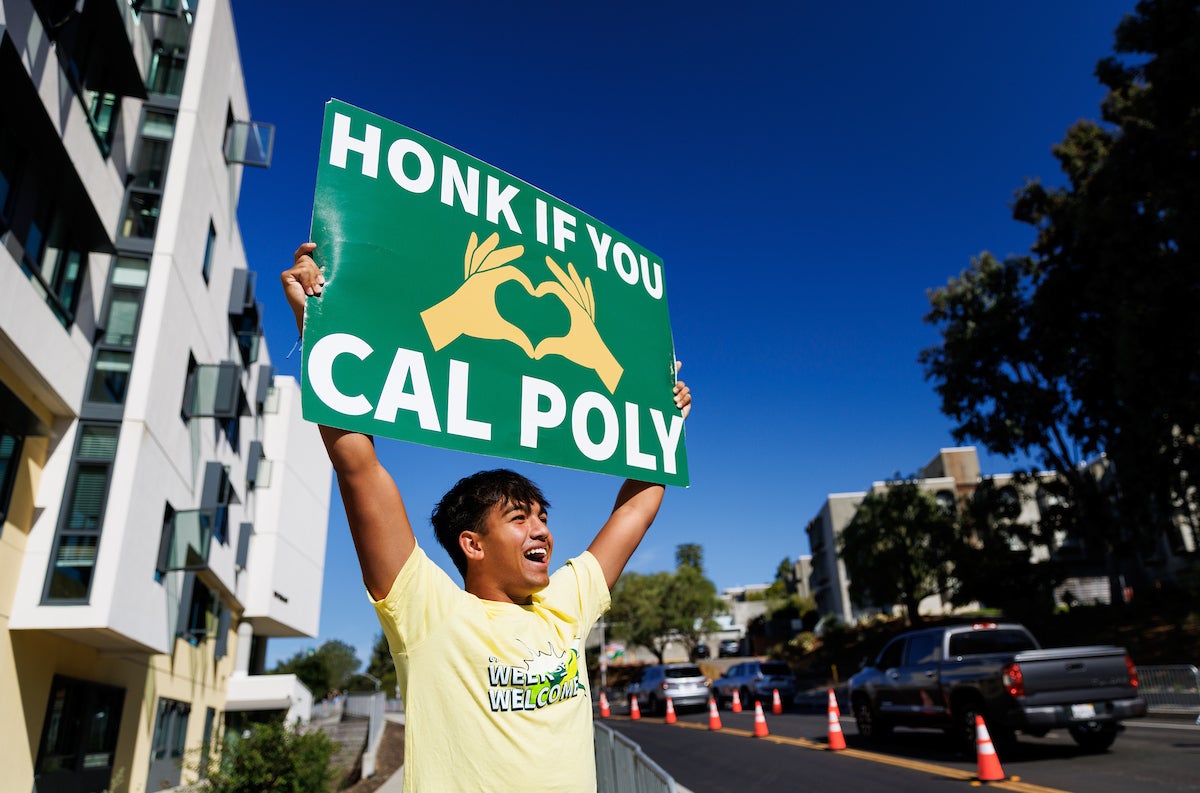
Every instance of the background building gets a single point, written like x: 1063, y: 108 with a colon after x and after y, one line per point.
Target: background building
x: 164, y: 507
x: 952, y: 475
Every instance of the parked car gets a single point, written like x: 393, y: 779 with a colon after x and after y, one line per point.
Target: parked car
x: 701, y: 651
x: 756, y: 680
x: 729, y: 648
x: 943, y: 677
x: 685, y: 684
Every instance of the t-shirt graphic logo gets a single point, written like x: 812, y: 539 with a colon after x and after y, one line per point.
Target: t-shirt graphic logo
x: 543, y: 680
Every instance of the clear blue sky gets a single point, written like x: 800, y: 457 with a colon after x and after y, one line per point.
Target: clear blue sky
x: 805, y: 170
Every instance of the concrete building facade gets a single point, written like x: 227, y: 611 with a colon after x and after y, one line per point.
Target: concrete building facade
x: 164, y: 506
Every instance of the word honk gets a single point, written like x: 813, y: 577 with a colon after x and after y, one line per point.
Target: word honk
x: 543, y: 406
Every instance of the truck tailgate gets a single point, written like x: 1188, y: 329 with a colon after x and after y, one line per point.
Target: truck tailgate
x: 1074, y: 675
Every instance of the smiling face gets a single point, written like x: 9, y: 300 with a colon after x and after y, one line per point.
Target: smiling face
x: 509, y: 559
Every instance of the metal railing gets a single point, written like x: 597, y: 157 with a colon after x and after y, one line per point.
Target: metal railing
x: 1170, y: 689
x: 622, y: 767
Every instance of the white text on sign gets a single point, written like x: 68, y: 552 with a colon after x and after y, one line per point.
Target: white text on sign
x: 543, y: 406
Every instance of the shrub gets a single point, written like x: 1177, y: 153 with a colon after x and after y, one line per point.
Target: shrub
x: 273, y: 757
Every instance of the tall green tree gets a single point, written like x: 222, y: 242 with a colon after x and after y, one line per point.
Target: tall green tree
x: 654, y: 610
x: 322, y: 669
x: 1090, y: 343
x: 637, y: 615
x: 689, y: 554
x: 992, y: 563
x: 896, y: 548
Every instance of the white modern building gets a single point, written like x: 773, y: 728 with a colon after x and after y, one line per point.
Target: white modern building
x: 164, y: 507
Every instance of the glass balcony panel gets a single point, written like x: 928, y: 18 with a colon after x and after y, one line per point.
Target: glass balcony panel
x: 214, y: 391
x: 191, y: 538
x: 250, y: 143
x: 248, y: 346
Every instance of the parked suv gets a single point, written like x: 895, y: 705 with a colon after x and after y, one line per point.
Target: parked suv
x: 685, y: 684
x: 754, y: 680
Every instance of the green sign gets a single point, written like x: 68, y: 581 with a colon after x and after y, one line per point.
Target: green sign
x: 466, y: 309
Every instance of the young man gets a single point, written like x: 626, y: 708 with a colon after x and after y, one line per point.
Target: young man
x: 493, y: 675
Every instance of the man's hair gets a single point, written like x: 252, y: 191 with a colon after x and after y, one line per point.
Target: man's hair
x: 466, y: 505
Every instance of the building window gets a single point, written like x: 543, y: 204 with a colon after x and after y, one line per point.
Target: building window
x: 103, y: 111
x: 210, y: 718
x: 150, y: 167
x: 203, y: 614
x: 209, y: 252
x: 167, y: 66
x: 167, y: 748
x: 168, y: 25
x: 52, y: 259
x: 141, y: 215
x: 112, y: 360
x: 144, y: 200
x: 79, y: 736
x: 74, y: 558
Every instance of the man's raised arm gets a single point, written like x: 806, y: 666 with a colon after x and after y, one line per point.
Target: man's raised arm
x: 635, y: 509
x: 383, y: 536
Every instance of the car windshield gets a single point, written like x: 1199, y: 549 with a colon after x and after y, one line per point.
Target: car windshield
x: 776, y: 669
x: 684, y: 671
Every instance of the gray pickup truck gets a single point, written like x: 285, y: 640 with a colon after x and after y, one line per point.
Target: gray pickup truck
x: 942, y: 677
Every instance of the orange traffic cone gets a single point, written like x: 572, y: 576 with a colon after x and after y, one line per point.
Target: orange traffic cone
x: 634, y: 711
x: 776, y: 704
x: 605, y: 711
x: 670, y: 711
x: 760, y: 722
x: 736, y: 707
x: 837, y: 741
x: 989, y: 763
x: 714, y: 718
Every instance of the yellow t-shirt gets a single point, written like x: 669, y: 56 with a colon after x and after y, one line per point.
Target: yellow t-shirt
x: 496, y: 696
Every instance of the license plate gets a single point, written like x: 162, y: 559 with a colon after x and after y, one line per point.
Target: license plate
x: 1087, y: 711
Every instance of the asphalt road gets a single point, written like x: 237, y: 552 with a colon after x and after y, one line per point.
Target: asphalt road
x: 1150, y: 756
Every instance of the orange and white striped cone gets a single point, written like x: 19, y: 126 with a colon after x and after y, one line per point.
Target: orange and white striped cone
x: 670, y: 711
x: 714, y: 718
x: 776, y: 703
x: 605, y: 710
x: 985, y: 752
x: 760, y: 722
x: 634, y: 711
x: 736, y: 707
x: 837, y: 741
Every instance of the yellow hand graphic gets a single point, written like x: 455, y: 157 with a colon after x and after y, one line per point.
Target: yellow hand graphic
x: 582, y: 344
x: 471, y: 310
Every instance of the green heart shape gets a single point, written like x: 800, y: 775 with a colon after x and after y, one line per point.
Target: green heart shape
x: 538, y: 317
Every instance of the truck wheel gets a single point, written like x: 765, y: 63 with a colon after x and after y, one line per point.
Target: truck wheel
x: 1094, y: 736
x: 747, y: 698
x: 870, y: 725
x: 963, y: 732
